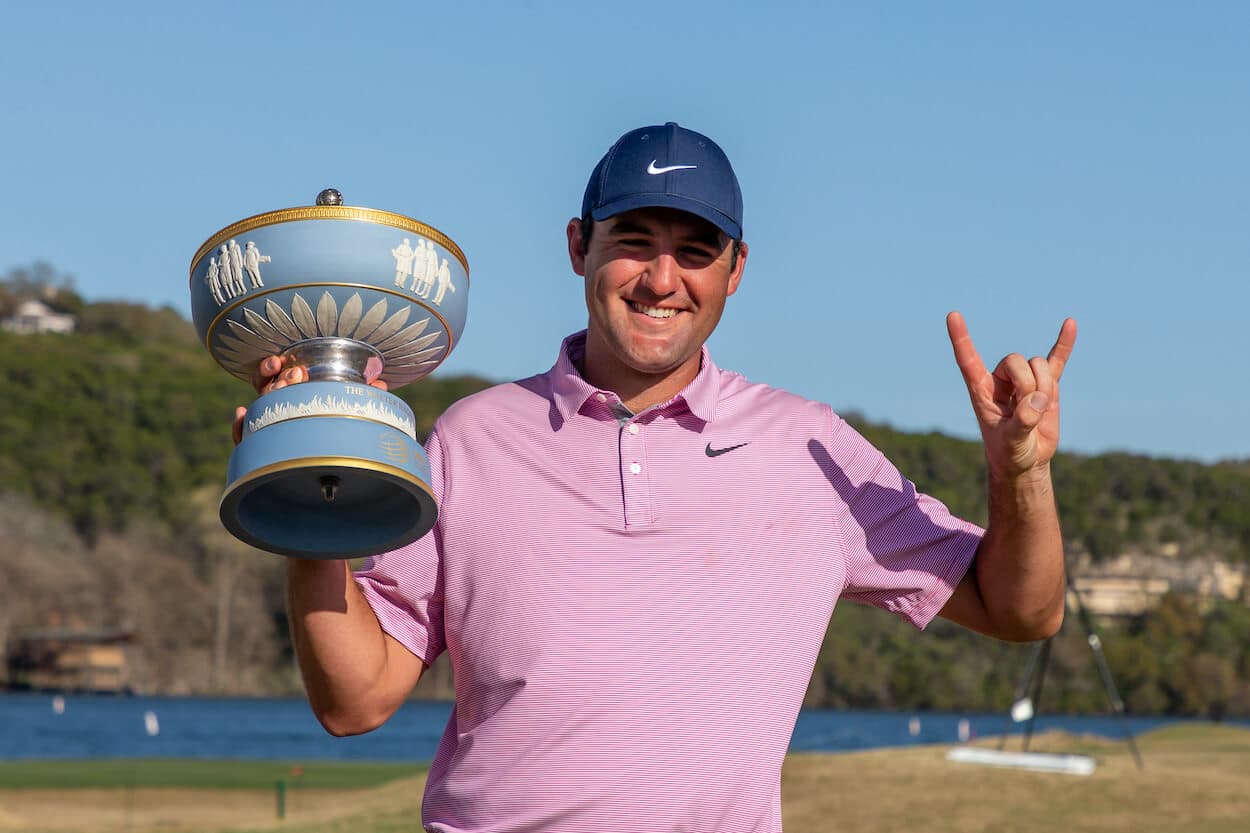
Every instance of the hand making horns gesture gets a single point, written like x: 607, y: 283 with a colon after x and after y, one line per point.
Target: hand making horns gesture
x: 1017, y: 406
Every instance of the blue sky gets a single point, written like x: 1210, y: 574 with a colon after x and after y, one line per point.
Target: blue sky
x: 1018, y: 162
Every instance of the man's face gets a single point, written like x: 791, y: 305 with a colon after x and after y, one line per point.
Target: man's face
x: 656, y: 283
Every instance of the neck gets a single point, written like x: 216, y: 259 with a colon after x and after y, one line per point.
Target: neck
x: 636, y: 390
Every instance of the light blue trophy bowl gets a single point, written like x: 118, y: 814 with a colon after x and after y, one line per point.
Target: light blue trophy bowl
x: 330, y: 468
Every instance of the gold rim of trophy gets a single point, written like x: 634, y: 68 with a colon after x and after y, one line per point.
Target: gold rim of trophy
x: 329, y: 212
x: 331, y: 461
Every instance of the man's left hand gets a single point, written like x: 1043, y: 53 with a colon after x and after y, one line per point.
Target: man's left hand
x: 1017, y: 406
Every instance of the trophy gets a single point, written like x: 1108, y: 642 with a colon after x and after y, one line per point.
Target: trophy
x: 330, y: 467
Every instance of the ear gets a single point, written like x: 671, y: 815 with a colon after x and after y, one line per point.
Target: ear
x: 735, y: 277
x: 577, y: 256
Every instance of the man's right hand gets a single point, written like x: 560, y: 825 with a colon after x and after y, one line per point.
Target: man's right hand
x: 270, y: 376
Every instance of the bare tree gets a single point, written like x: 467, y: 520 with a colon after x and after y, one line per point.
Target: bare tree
x: 242, y: 631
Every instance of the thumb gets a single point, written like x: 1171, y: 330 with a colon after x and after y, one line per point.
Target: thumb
x: 236, y: 429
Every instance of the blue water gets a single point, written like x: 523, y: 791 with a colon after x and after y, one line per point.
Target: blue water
x: 284, y: 729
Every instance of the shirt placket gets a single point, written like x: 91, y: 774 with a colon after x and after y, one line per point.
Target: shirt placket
x: 635, y: 474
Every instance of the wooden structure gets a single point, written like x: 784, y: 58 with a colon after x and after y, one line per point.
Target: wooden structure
x: 70, y: 660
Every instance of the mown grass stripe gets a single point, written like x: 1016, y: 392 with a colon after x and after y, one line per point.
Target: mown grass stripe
x: 200, y: 774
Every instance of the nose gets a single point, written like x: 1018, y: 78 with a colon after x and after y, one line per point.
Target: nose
x: 663, y: 275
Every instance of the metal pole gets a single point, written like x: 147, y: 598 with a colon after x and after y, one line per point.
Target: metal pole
x: 1044, y: 658
x: 1104, y: 671
x: 1023, y: 691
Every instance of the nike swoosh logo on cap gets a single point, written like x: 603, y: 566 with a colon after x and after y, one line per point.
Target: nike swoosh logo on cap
x: 653, y: 170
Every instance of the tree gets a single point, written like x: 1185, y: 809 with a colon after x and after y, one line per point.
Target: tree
x: 233, y: 572
x: 39, y: 281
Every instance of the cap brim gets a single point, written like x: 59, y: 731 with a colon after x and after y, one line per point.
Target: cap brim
x: 698, y: 209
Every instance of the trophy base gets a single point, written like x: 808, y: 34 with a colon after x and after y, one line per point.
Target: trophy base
x: 285, y: 511
x: 326, y: 486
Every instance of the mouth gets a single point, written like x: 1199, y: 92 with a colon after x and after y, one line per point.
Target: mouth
x: 652, y: 312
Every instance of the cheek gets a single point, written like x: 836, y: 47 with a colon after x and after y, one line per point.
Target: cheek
x: 712, y: 294
x: 603, y: 285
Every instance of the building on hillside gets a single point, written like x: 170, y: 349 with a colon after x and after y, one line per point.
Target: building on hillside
x: 71, y: 660
x: 1132, y: 585
x: 1119, y: 595
x: 38, y: 317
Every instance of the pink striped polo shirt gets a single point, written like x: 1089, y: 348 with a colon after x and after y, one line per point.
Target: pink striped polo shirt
x: 634, y: 603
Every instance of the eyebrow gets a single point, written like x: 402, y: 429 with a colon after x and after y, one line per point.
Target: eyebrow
x: 628, y: 227
x: 706, y: 236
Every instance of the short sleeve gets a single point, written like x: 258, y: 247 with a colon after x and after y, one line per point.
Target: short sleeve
x: 405, y: 586
x: 906, y: 551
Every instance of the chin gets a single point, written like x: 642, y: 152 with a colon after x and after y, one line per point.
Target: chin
x: 653, y: 365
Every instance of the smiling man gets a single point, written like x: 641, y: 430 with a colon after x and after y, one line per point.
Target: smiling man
x: 638, y: 552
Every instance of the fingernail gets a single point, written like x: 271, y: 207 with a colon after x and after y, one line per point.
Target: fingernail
x: 1039, y: 401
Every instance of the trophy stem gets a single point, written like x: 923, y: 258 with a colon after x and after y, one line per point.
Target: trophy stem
x: 332, y: 359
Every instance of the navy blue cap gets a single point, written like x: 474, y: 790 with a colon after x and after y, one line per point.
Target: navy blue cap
x: 669, y: 167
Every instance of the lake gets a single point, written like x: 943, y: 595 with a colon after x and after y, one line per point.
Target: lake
x: 44, y: 726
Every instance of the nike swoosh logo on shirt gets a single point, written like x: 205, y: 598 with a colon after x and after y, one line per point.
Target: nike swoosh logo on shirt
x: 653, y: 170
x: 716, y: 452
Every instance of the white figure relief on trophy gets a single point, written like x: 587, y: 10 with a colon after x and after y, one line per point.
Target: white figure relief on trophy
x: 213, y: 278
x: 422, y: 265
x: 419, y: 269
x: 227, y: 276
x: 431, y: 269
x: 252, y: 259
x: 236, y: 265
x: 444, y: 283
x: 403, y: 262
x: 225, y: 271
x: 406, y: 348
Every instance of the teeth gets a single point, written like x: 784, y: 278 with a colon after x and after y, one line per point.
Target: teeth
x: 653, y: 312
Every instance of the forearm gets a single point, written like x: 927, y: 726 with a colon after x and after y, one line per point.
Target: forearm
x: 354, y: 674
x: 1019, y: 564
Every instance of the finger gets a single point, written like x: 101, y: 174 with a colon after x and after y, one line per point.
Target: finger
x: 1034, y: 394
x: 266, y: 369
x: 1013, y: 379
x: 236, y: 429
x: 1059, y: 354
x: 290, y: 376
x: 380, y: 385
x: 1016, y: 386
x: 1045, y: 383
x: 966, y: 356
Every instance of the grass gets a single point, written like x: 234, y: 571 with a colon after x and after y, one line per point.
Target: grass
x: 199, y: 774
x: 1196, y: 780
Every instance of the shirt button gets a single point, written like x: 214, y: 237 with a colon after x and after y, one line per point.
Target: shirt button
x: 633, y: 428
x: 634, y: 468
x: 601, y: 397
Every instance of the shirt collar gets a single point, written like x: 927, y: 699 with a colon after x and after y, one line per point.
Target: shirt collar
x: 570, y: 391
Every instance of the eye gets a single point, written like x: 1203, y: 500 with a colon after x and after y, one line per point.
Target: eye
x: 697, y: 254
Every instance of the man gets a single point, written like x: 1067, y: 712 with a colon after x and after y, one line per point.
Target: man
x: 403, y: 255
x: 637, y: 553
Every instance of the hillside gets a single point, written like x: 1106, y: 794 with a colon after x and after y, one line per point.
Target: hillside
x: 113, y: 448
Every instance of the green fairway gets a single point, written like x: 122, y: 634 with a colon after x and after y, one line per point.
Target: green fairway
x: 200, y: 774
